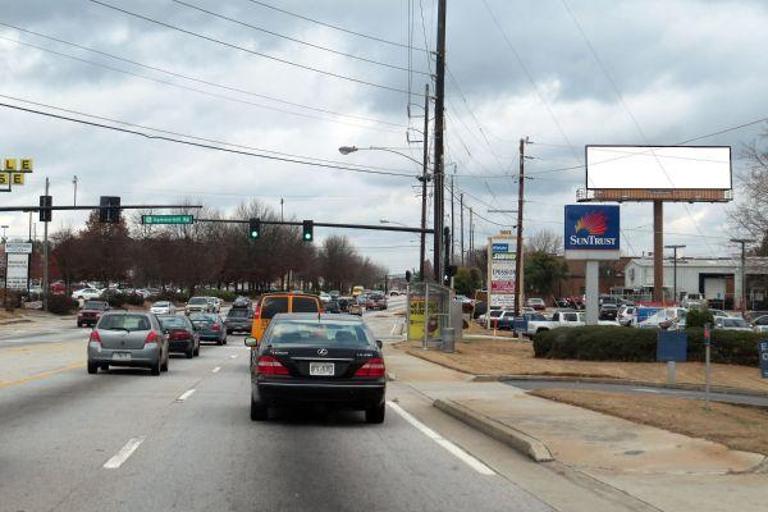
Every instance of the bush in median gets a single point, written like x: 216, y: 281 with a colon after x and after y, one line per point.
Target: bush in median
x: 61, y: 304
x: 606, y: 343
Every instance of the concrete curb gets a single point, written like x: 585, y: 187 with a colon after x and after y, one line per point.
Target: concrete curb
x: 607, y: 380
x: 16, y: 321
x: 520, y: 441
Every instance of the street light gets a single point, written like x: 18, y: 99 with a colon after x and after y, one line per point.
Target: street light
x: 743, y: 298
x: 424, y: 178
x: 385, y: 221
x: 4, y: 228
x: 674, y: 265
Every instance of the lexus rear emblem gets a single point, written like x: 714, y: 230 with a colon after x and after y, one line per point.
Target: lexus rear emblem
x: 322, y: 351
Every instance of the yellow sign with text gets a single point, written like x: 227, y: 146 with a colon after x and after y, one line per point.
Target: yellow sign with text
x: 5, y: 178
x: 17, y: 178
x: 9, y: 164
x: 26, y: 165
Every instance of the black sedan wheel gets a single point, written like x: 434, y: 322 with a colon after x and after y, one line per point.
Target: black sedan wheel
x: 259, y: 412
x: 92, y: 368
x: 375, y: 414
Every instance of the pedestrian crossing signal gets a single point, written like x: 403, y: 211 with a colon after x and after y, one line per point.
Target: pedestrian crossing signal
x: 307, y: 230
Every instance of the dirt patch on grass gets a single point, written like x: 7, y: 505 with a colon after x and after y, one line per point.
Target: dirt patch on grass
x: 515, y: 357
x: 475, y: 328
x: 737, y: 427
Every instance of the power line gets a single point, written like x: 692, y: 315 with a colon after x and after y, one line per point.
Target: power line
x: 295, y: 40
x: 334, y: 27
x: 249, y: 51
x: 194, y: 79
x: 197, y: 144
x: 193, y: 89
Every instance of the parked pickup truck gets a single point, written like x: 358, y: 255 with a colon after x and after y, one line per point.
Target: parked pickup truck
x: 562, y: 319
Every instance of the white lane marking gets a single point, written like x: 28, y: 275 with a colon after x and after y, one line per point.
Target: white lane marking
x: 125, y: 452
x: 216, y: 370
x: 233, y: 356
x: 185, y: 395
x: 452, y: 448
x: 646, y: 390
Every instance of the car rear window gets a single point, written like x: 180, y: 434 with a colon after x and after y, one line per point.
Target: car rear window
x: 237, y: 313
x: 125, y: 322
x: 325, y: 333
x: 161, y: 304
x: 272, y: 306
x: 198, y: 300
x: 94, y: 304
x: 174, y: 322
x: 304, y: 305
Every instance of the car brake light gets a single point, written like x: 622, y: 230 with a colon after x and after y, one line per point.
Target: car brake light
x: 257, y: 313
x: 269, y: 365
x: 215, y: 327
x: 151, y: 337
x: 374, y: 368
x: 95, y: 336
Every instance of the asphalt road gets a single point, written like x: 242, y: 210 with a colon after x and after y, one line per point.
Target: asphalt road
x: 635, y: 389
x: 125, y: 440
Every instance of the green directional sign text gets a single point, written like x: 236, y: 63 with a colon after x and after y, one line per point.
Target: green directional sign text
x: 167, y: 219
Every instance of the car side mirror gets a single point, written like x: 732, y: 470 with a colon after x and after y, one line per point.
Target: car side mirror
x: 379, y: 344
x: 251, y: 342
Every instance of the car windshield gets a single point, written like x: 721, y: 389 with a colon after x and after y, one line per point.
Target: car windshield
x: 126, y: 322
x: 95, y: 304
x: 198, y: 300
x: 160, y: 305
x: 734, y: 322
x: 314, y: 332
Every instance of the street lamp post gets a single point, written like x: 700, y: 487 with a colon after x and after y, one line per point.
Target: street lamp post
x: 674, y: 268
x: 4, y: 228
x: 743, y: 298
x: 424, y: 178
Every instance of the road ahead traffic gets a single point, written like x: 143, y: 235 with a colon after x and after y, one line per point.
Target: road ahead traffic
x: 124, y: 440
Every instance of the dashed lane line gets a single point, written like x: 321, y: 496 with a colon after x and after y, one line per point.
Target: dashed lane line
x: 126, y: 451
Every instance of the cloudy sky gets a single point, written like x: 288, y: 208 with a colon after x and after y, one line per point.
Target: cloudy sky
x: 658, y: 72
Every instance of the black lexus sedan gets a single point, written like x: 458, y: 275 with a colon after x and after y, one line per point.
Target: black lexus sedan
x: 309, y: 358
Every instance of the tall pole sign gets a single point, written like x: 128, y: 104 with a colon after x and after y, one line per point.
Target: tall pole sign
x: 592, y: 233
x: 501, y: 271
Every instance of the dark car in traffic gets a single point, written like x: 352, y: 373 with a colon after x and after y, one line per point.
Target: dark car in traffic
x: 305, y: 359
x: 91, y: 311
x: 210, y: 327
x: 182, y: 335
x: 239, y: 320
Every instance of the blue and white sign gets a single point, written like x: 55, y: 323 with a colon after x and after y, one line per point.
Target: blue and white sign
x: 592, y: 227
x: 500, y: 248
x: 762, y: 350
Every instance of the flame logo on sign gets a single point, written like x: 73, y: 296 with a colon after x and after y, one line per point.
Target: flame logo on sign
x: 594, y: 223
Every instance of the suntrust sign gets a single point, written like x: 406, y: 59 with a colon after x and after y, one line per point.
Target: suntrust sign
x: 592, y: 227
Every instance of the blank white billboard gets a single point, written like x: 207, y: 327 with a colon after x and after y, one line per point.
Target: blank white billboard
x: 659, y: 167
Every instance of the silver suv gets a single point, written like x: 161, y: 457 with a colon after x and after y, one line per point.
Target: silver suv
x: 199, y: 305
x: 128, y: 339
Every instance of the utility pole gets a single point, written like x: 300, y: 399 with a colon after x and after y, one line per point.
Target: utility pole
x: 461, y: 222
x: 46, y: 286
x: 743, y: 298
x: 519, y: 255
x: 439, y: 142
x: 74, y: 185
x: 282, y: 218
x: 453, y: 223
x: 674, y: 268
x: 471, y: 237
x: 424, y: 179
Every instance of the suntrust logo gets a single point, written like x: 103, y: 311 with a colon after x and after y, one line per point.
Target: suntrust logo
x: 594, y: 223
x: 592, y: 227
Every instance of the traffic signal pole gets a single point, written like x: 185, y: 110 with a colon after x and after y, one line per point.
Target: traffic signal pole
x: 46, y: 290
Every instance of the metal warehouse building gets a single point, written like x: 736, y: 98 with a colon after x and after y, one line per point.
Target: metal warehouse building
x: 719, y: 279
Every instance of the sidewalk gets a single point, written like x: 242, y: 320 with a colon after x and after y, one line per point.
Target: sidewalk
x: 670, y: 471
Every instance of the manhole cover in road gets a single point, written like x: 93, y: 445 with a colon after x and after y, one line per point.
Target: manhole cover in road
x: 634, y: 452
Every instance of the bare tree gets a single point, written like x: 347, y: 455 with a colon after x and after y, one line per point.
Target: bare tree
x: 750, y: 215
x: 545, y: 241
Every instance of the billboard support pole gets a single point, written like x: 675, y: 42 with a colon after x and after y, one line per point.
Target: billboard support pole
x: 592, y: 275
x: 658, y: 251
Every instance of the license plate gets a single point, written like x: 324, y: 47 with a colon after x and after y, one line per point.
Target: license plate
x: 121, y: 356
x: 321, y: 369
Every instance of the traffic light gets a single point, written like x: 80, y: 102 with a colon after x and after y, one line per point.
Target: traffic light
x: 109, y: 213
x: 408, y: 276
x: 255, y: 228
x: 46, y: 214
x: 307, y: 230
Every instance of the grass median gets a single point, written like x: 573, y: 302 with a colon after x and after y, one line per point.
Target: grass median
x: 516, y: 357
x: 737, y: 427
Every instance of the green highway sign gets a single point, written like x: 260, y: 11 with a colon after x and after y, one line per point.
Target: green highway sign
x: 167, y: 219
